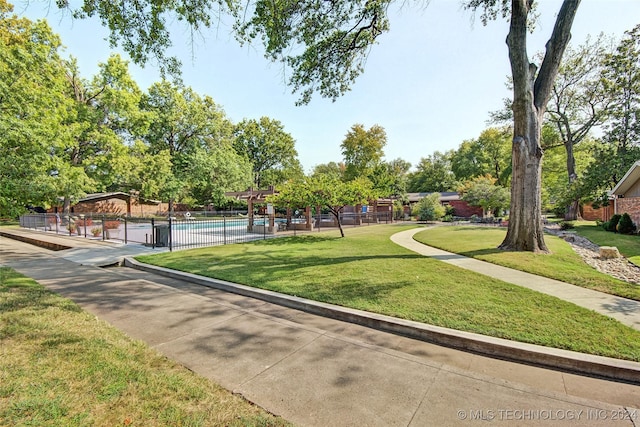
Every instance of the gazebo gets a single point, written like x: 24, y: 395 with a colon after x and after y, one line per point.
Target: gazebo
x: 253, y: 197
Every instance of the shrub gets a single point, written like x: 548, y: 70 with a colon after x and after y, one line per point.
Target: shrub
x: 429, y: 208
x: 111, y: 225
x: 567, y: 225
x: 599, y: 223
x: 96, y: 231
x: 626, y: 225
x: 612, y: 224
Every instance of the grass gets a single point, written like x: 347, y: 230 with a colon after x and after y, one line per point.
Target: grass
x: 562, y: 264
x: 61, y: 366
x: 367, y: 271
x: 628, y: 245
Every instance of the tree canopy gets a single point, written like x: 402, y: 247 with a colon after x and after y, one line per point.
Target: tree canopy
x: 362, y: 150
x: 325, y: 191
x: 33, y: 109
x: 271, y: 151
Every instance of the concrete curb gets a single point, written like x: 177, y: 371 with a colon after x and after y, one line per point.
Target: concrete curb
x: 606, y: 367
x: 35, y: 241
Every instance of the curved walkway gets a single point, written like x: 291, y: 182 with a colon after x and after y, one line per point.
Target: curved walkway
x: 625, y: 310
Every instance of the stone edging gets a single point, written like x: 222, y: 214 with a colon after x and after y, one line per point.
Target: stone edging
x: 606, y: 367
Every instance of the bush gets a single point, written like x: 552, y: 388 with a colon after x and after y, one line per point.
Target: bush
x: 429, y: 208
x: 567, y: 225
x: 599, y: 223
x: 626, y: 225
x: 612, y: 224
x: 111, y: 225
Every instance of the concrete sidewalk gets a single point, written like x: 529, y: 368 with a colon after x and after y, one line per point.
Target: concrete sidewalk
x: 625, y: 310
x: 317, y: 371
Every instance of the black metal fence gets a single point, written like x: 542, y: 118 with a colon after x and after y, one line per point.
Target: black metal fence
x: 186, y: 229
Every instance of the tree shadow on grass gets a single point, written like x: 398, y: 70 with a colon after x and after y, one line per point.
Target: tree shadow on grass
x: 481, y: 252
x: 307, y: 239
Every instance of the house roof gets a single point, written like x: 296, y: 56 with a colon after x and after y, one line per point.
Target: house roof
x: 104, y: 196
x: 628, y: 180
x: 446, y: 196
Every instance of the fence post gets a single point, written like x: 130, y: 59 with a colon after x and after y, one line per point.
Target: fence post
x: 170, y: 237
x: 224, y: 228
x: 153, y: 236
x: 104, y: 229
x: 125, y: 230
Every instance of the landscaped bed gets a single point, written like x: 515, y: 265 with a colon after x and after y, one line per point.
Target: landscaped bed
x: 627, y: 244
x: 367, y: 271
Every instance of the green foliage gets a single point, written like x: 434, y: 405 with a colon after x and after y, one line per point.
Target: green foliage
x: 362, y: 151
x: 429, y: 208
x: 187, y: 152
x: 612, y: 224
x: 433, y: 174
x: 622, y: 81
x: 324, y: 191
x: 390, y: 178
x: 567, y: 225
x: 332, y: 169
x: 324, y: 43
x: 490, y: 155
x: 483, y: 191
x: 33, y: 109
x: 626, y: 225
x: 269, y: 149
x: 618, y: 149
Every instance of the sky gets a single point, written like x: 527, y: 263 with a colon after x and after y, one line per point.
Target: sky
x: 430, y: 82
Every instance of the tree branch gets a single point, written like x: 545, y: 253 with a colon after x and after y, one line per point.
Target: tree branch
x: 553, y: 55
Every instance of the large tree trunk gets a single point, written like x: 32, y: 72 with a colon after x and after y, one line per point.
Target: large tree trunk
x: 573, y: 210
x: 531, y: 92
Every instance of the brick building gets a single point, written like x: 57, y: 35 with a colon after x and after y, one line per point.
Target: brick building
x: 626, y: 194
x: 116, y: 203
x: 450, y: 198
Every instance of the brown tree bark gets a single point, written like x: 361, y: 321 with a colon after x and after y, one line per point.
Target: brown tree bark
x: 531, y: 92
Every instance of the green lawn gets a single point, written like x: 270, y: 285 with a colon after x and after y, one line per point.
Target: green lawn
x: 367, y: 271
x: 60, y: 366
x: 562, y: 264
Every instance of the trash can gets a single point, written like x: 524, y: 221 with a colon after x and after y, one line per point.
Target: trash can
x: 162, y: 235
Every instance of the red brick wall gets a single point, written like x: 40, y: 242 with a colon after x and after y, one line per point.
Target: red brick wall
x: 630, y: 205
x: 603, y: 213
x: 111, y: 206
x: 116, y: 207
x: 465, y: 210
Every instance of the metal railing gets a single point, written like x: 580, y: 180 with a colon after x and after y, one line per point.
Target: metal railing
x: 186, y: 229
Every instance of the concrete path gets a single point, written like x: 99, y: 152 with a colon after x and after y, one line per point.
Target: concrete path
x: 316, y: 371
x: 624, y: 310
